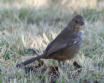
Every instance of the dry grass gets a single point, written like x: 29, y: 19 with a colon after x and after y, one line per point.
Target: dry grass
x: 26, y: 27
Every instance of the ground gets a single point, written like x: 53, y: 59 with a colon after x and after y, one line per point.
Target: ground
x: 23, y: 26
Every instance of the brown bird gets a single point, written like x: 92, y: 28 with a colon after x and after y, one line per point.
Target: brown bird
x: 66, y: 45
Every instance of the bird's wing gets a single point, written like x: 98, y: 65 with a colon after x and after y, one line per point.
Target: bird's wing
x: 59, y: 43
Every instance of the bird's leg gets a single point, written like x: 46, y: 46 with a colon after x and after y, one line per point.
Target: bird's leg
x: 77, y: 66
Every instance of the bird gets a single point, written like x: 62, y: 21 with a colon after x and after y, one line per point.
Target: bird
x: 66, y: 45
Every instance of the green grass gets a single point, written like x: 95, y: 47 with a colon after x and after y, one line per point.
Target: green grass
x: 27, y: 27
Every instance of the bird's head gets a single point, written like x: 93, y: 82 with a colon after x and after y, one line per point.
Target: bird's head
x: 77, y: 23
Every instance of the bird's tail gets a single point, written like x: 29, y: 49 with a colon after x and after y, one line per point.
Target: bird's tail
x: 29, y: 61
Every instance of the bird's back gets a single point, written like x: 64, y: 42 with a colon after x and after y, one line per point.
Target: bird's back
x: 66, y: 42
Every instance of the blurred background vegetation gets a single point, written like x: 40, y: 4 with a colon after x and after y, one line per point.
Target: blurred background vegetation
x: 34, y: 23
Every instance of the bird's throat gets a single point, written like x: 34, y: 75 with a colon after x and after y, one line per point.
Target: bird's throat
x: 78, y: 29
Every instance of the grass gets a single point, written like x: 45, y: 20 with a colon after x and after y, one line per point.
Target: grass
x: 27, y: 27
